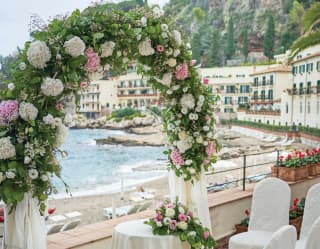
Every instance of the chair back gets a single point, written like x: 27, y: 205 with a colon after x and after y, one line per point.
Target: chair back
x: 270, y: 205
x: 311, y: 209
x: 313, y: 238
x: 71, y: 225
x: 55, y: 228
x: 284, y: 238
x: 145, y: 206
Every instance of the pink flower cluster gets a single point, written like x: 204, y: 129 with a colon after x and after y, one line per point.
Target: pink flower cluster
x: 206, y: 234
x: 210, y: 149
x: 9, y: 111
x: 93, y: 60
x: 182, y: 71
x: 173, y: 224
x: 182, y: 217
x: 83, y: 84
x: 158, y: 217
x: 176, y: 157
x: 160, y: 48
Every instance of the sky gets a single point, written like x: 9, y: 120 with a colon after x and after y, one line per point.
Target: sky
x: 15, y: 17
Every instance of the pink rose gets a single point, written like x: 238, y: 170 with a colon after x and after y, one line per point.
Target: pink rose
x: 206, y: 81
x: 158, y: 217
x: 182, y: 217
x: 160, y: 48
x: 173, y: 225
x: 83, y: 84
x: 190, y: 214
x: 206, y: 234
x: 182, y: 71
x: 210, y: 149
x: 93, y: 60
x: 170, y: 205
x: 192, y: 63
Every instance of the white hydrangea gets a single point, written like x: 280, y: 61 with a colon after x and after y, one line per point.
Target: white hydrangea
x: 187, y: 101
x: 171, y: 62
x: 157, y: 12
x: 199, y: 140
x: 169, y: 92
x: 27, y: 160
x: 164, y: 35
x: 61, y: 135
x: 52, y: 87
x: 175, y: 88
x: 145, y: 48
x: 11, y: 86
x: 192, y: 234
x: 184, y: 111
x: 7, y: 149
x: 164, y: 27
x: 33, y: 174
x: 49, y: 120
x: 38, y: 54
x: 75, y: 46
x: 206, y: 128
x: 28, y: 111
x: 2, y: 177
x: 192, y: 171
x: 10, y: 174
x: 188, y: 162
x: 107, y: 48
x: 143, y: 21
x: 166, y: 79
x: 177, y: 37
x: 183, y: 145
x: 210, y: 134
x: 44, y: 178
x: 169, y: 51
x: 198, y: 109
x: 181, y: 210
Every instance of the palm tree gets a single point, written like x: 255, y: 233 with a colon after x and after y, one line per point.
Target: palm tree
x: 310, y: 29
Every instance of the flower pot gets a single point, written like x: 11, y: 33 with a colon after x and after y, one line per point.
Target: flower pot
x: 240, y: 228
x: 297, y: 223
x: 293, y: 174
x: 274, y: 170
x: 314, y: 169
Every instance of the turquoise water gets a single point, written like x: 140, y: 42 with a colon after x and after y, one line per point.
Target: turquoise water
x: 92, y: 169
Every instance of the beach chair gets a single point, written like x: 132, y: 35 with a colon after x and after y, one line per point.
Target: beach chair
x: 269, y: 212
x: 121, y: 211
x: 144, y: 206
x: 71, y: 225
x: 54, y: 228
x: 284, y: 238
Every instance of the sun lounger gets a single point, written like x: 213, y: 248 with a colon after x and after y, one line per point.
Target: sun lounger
x: 121, y: 211
x: 54, y: 228
x: 71, y: 225
x: 144, y: 206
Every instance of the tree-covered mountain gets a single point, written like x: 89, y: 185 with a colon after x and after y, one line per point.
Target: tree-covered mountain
x: 233, y: 29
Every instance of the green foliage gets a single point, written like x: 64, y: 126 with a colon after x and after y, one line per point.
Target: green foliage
x: 245, y: 43
x: 196, y: 46
x: 198, y: 14
x: 155, y: 110
x: 126, y: 113
x: 230, y: 49
x: 295, y: 16
x: 215, y: 49
x: 311, y: 17
x: 269, y: 39
x: 287, y: 5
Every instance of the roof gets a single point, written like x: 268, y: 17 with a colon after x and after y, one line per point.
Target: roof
x: 278, y: 69
x: 305, y: 58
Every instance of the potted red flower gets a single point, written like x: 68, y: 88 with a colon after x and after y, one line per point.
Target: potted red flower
x: 243, y: 226
x: 296, y: 213
x: 313, y: 161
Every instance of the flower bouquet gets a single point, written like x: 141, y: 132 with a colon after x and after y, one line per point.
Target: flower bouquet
x: 243, y: 226
x: 176, y: 219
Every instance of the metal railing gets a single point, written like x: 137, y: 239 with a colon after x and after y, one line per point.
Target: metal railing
x: 245, y: 169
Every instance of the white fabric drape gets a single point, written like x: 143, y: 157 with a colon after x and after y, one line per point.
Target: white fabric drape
x: 25, y: 227
x: 194, y: 195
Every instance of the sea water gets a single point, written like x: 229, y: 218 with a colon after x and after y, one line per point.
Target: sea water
x: 93, y: 169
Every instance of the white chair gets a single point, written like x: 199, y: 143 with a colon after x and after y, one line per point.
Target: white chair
x: 283, y: 238
x: 71, y: 225
x: 54, y: 228
x: 121, y: 211
x: 144, y: 206
x: 269, y: 212
x: 312, y: 241
x: 311, y: 210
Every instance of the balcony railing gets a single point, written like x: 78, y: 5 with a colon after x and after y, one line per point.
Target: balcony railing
x: 263, y: 83
x: 304, y: 90
x: 138, y: 95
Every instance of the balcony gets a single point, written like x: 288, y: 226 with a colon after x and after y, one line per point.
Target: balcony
x: 138, y: 95
x: 263, y: 83
x: 259, y: 100
x: 304, y: 90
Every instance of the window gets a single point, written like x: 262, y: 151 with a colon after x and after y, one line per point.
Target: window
x: 301, y: 107
x: 221, y: 88
x: 121, y: 83
x: 308, y: 107
x: 255, y: 81
x: 227, y: 100
x: 271, y: 79
x: 311, y: 66
x: 318, y: 86
x: 318, y: 65
x: 303, y: 68
x: 92, y: 106
x: 270, y: 94
x: 263, y: 94
x: 255, y: 95
x: 244, y: 89
x: 231, y: 89
x: 318, y: 107
x: 301, y: 88
x: 263, y: 80
x: 309, y: 87
x: 287, y: 107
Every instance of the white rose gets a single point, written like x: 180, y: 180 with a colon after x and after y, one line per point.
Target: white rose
x: 181, y: 210
x: 205, y: 143
x: 28, y: 111
x: 61, y: 135
x: 11, y: 86
x: 145, y: 48
x: 187, y: 101
x: 157, y: 12
x: 169, y: 92
x: 27, y: 160
x: 166, y: 79
x: 33, y: 174
x: 169, y: 51
x: 7, y: 149
x: 182, y: 135
x: 44, y: 178
x: 184, y: 111
x: 210, y: 134
x: 107, y: 48
x: 171, y: 62
x: 166, y: 221
x: 183, y: 145
x: 10, y: 174
x: 198, y: 109
x: 192, y: 171
x: 170, y: 212
x: 2, y: 177
x: 199, y: 140
x: 206, y: 128
x: 201, y: 98
x: 183, y: 225
x: 185, y: 89
x: 164, y: 27
x: 52, y: 87
x: 49, y: 120
x: 164, y: 35
x: 22, y: 66
x: 188, y: 162
x: 192, y: 234
x: 159, y: 224
x: 38, y: 54
x: 176, y: 52
x: 177, y: 37
x: 74, y: 47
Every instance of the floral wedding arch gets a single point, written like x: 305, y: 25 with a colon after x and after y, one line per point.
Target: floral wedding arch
x: 38, y: 105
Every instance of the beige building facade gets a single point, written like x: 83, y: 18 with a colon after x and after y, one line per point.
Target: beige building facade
x: 301, y: 101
